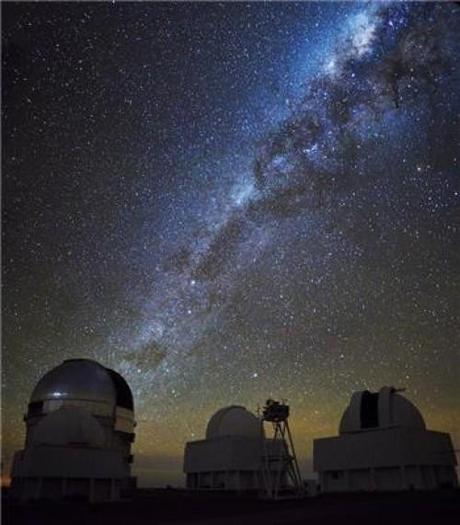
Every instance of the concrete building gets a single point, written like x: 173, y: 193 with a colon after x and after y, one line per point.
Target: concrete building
x: 79, y: 430
x: 231, y: 457
x: 383, y: 444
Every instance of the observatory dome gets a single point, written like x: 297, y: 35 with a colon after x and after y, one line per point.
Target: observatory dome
x: 83, y: 380
x: 67, y: 426
x: 234, y: 420
x: 79, y: 431
x: 383, y: 409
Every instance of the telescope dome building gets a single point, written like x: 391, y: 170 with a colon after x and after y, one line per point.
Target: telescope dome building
x: 229, y: 458
x: 383, y: 444
x: 237, y: 455
x: 79, y: 431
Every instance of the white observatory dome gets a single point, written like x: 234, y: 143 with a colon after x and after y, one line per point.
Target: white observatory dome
x: 66, y: 426
x: 383, y: 409
x: 234, y: 420
x: 79, y: 432
x: 81, y: 380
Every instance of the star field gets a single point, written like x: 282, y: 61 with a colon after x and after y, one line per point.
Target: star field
x: 226, y: 202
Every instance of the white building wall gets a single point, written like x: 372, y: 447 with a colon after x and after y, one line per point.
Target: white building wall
x: 359, y: 479
x: 388, y: 478
x: 225, y: 463
x: 388, y: 459
x: 413, y: 477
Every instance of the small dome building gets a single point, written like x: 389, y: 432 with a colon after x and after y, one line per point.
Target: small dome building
x: 79, y: 431
x: 229, y: 458
x: 383, y: 444
x: 236, y: 455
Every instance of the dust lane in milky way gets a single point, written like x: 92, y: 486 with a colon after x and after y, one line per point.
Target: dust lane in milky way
x: 230, y: 201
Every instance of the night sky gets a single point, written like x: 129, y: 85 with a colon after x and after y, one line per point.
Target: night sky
x: 226, y: 202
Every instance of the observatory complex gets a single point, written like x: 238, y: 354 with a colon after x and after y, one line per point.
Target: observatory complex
x: 238, y: 455
x: 79, y: 430
x: 383, y: 444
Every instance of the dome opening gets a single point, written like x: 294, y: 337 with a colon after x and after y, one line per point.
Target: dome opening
x: 383, y: 409
x: 123, y: 392
x: 369, y: 410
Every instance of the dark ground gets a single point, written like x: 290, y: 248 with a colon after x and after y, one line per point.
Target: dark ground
x: 180, y: 507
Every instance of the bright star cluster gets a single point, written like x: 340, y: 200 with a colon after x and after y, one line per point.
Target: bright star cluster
x: 231, y: 201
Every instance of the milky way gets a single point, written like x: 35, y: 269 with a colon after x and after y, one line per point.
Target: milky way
x: 230, y: 201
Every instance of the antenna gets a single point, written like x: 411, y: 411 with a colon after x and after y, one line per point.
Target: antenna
x: 280, y: 468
